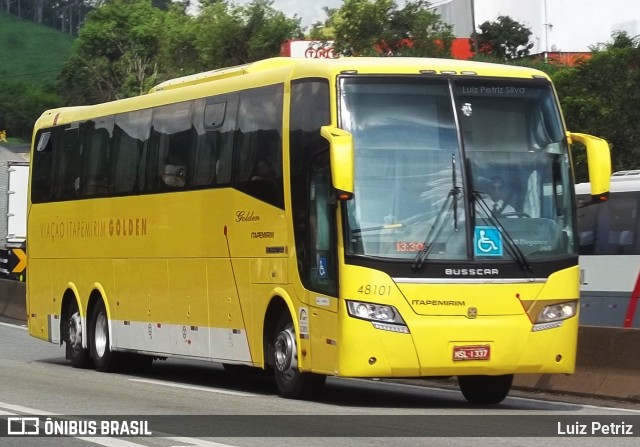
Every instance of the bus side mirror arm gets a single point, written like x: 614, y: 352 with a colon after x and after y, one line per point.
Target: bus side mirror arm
x: 341, y: 154
x: 598, y: 161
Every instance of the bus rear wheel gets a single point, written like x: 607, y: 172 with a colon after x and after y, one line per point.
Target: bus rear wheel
x: 103, y: 358
x: 291, y: 383
x: 485, y: 390
x: 72, y: 331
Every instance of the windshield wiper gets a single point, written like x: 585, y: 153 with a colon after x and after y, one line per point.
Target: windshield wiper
x: 511, y: 246
x: 451, y: 201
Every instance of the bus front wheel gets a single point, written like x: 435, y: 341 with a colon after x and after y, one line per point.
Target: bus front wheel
x: 486, y: 390
x: 291, y: 382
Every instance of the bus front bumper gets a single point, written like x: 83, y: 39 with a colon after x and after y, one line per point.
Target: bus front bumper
x: 454, y: 345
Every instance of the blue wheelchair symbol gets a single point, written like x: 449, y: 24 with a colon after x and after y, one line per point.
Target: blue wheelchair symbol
x: 487, y: 241
x: 322, y: 267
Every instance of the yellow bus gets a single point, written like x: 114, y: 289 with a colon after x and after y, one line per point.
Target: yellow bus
x: 315, y: 218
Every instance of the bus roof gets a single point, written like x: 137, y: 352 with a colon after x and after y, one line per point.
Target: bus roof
x: 382, y: 65
x: 279, y: 69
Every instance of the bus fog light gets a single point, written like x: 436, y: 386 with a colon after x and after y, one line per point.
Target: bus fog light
x: 557, y: 312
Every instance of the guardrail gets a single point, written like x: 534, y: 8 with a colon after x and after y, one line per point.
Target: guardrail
x: 13, y: 295
x: 608, y: 366
x: 608, y: 358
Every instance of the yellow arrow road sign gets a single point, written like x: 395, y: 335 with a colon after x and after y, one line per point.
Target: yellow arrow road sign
x: 22, y: 260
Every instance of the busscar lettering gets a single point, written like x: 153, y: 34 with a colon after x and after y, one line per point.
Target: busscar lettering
x: 471, y: 272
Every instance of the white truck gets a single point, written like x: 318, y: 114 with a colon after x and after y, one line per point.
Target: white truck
x: 14, y: 180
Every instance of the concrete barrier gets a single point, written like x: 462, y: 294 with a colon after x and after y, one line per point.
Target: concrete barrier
x: 13, y: 296
x: 608, y: 366
x: 608, y: 358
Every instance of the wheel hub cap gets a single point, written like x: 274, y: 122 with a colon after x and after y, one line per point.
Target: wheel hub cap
x: 75, y: 331
x: 285, y: 350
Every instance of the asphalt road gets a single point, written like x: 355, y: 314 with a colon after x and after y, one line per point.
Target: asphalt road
x: 185, y: 403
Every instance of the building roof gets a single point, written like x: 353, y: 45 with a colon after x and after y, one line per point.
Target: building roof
x: 14, y: 152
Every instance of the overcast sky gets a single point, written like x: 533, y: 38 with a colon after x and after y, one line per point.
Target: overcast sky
x: 309, y: 10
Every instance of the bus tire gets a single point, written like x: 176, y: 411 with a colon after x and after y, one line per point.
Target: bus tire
x: 72, y: 332
x: 291, y: 383
x: 103, y: 358
x: 485, y: 390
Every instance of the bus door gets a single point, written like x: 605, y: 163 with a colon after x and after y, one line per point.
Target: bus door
x: 322, y: 279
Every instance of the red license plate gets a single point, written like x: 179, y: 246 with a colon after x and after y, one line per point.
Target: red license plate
x: 478, y: 352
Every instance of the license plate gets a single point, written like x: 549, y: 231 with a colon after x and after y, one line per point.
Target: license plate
x: 480, y: 352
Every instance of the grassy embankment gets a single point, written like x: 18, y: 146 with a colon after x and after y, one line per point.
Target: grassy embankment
x: 30, y: 54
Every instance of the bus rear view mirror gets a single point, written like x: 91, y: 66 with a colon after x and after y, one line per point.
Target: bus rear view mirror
x: 599, y: 164
x: 341, y: 154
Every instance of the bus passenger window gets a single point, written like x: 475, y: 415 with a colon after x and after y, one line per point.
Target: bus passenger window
x: 69, y: 165
x: 42, y: 168
x: 173, y: 133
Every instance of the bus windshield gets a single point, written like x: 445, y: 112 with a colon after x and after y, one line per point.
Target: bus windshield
x: 465, y: 169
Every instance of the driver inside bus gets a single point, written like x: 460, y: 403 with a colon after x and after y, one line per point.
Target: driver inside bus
x: 496, y: 198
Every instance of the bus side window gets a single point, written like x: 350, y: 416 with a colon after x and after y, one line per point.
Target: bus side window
x: 42, y: 167
x: 214, y: 122
x: 174, y: 173
x: 130, y: 135
x: 96, y: 149
x: 259, y: 139
x: 69, y: 165
x: 172, y: 134
x: 124, y: 163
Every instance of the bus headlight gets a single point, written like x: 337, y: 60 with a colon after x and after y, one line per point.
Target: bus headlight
x: 374, y: 312
x: 557, y: 312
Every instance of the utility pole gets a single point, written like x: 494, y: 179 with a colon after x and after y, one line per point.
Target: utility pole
x: 547, y: 25
x: 473, y: 24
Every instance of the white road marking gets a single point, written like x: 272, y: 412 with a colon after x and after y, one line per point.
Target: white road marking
x: 196, y: 442
x: 23, y: 327
x: 29, y: 411
x: 568, y: 404
x: 109, y: 442
x: 528, y: 399
x: 193, y: 387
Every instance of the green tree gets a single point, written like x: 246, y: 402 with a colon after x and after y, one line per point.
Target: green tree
x: 380, y: 28
x: 22, y: 104
x: 601, y: 96
x: 178, y: 53
x: 228, y: 34
x: 115, y: 55
x: 127, y: 46
x: 504, y: 38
